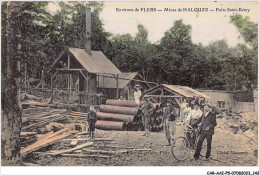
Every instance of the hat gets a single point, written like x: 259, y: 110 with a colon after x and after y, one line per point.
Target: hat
x: 137, y: 85
x: 196, y: 103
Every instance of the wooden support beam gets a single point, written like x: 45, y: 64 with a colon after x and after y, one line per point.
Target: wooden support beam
x: 68, y: 61
x: 117, y: 90
x: 130, y: 80
x: 117, y: 82
x: 161, y: 94
x: 178, y: 101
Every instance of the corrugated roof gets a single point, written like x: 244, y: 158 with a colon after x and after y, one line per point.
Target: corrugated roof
x: 185, y: 91
x: 108, y: 81
x: 97, y: 62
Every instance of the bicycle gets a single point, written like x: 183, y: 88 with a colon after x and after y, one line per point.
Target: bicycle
x: 181, y: 147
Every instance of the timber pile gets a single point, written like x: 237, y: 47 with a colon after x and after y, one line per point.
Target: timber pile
x: 126, y: 115
x: 27, y: 138
x: 46, y: 140
x: 86, y: 148
x: 34, y: 119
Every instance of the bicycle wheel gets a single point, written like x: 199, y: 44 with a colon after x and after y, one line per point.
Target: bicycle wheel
x: 180, y: 148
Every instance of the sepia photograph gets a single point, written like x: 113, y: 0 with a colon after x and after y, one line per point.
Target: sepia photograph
x: 93, y: 83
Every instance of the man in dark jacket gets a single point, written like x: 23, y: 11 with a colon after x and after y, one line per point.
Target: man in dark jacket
x: 169, y: 116
x: 92, y: 119
x: 206, y: 131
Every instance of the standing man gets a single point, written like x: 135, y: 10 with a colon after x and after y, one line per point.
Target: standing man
x: 208, y: 122
x: 92, y: 119
x: 169, y: 116
x: 137, y: 94
x: 193, y: 120
x: 147, y: 109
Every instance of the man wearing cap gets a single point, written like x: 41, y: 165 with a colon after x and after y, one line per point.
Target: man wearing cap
x: 137, y: 93
x: 147, y: 109
x: 169, y: 116
x: 193, y: 118
x: 206, y: 131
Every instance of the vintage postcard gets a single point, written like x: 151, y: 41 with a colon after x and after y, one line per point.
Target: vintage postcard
x: 94, y: 83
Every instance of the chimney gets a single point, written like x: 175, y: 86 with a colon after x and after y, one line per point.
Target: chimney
x: 88, y: 31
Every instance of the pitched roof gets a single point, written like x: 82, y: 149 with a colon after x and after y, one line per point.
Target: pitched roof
x: 181, y: 90
x: 186, y: 91
x: 97, y: 62
x: 108, y: 81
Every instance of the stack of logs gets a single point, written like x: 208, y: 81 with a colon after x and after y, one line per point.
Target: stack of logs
x: 126, y: 115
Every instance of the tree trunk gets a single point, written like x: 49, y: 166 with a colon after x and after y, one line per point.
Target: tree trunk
x: 11, y: 111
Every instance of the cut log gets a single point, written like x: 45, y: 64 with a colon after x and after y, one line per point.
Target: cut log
x: 30, y: 164
x: 27, y: 133
x: 81, y: 113
x: 54, y: 125
x: 85, y: 156
x: 105, y: 152
x: 83, y: 139
x: 77, y: 151
x: 131, y: 148
x: 144, y: 149
x: 34, y: 110
x: 43, y: 143
x: 115, y: 147
x: 40, y: 124
x: 52, y: 134
x: 74, y: 142
x: 25, y: 96
x: 72, y: 149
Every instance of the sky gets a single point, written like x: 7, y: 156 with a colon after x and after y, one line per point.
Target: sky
x: 207, y: 27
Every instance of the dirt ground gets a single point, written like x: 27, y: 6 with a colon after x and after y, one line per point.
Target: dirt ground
x: 160, y: 155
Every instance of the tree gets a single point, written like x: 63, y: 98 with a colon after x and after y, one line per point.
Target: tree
x: 249, y: 32
x: 11, y: 117
x: 181, y: 59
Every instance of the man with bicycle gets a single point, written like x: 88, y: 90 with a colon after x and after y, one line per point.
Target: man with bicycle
x: 206, y: 130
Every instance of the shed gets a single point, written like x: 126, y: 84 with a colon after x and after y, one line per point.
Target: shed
x: 126, y: 82
x: 176, y: 93
x: 81, y: 69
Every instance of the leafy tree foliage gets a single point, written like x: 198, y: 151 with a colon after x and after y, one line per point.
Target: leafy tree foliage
x: 174, y: 60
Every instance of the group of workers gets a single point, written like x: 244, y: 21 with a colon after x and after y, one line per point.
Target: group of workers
x: 202, y: 120
x: 199, y: 120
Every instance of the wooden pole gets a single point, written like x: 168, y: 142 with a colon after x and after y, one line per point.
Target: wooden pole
x: 42, y: 82
x: 161, y: 94
x: 117, y: 90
